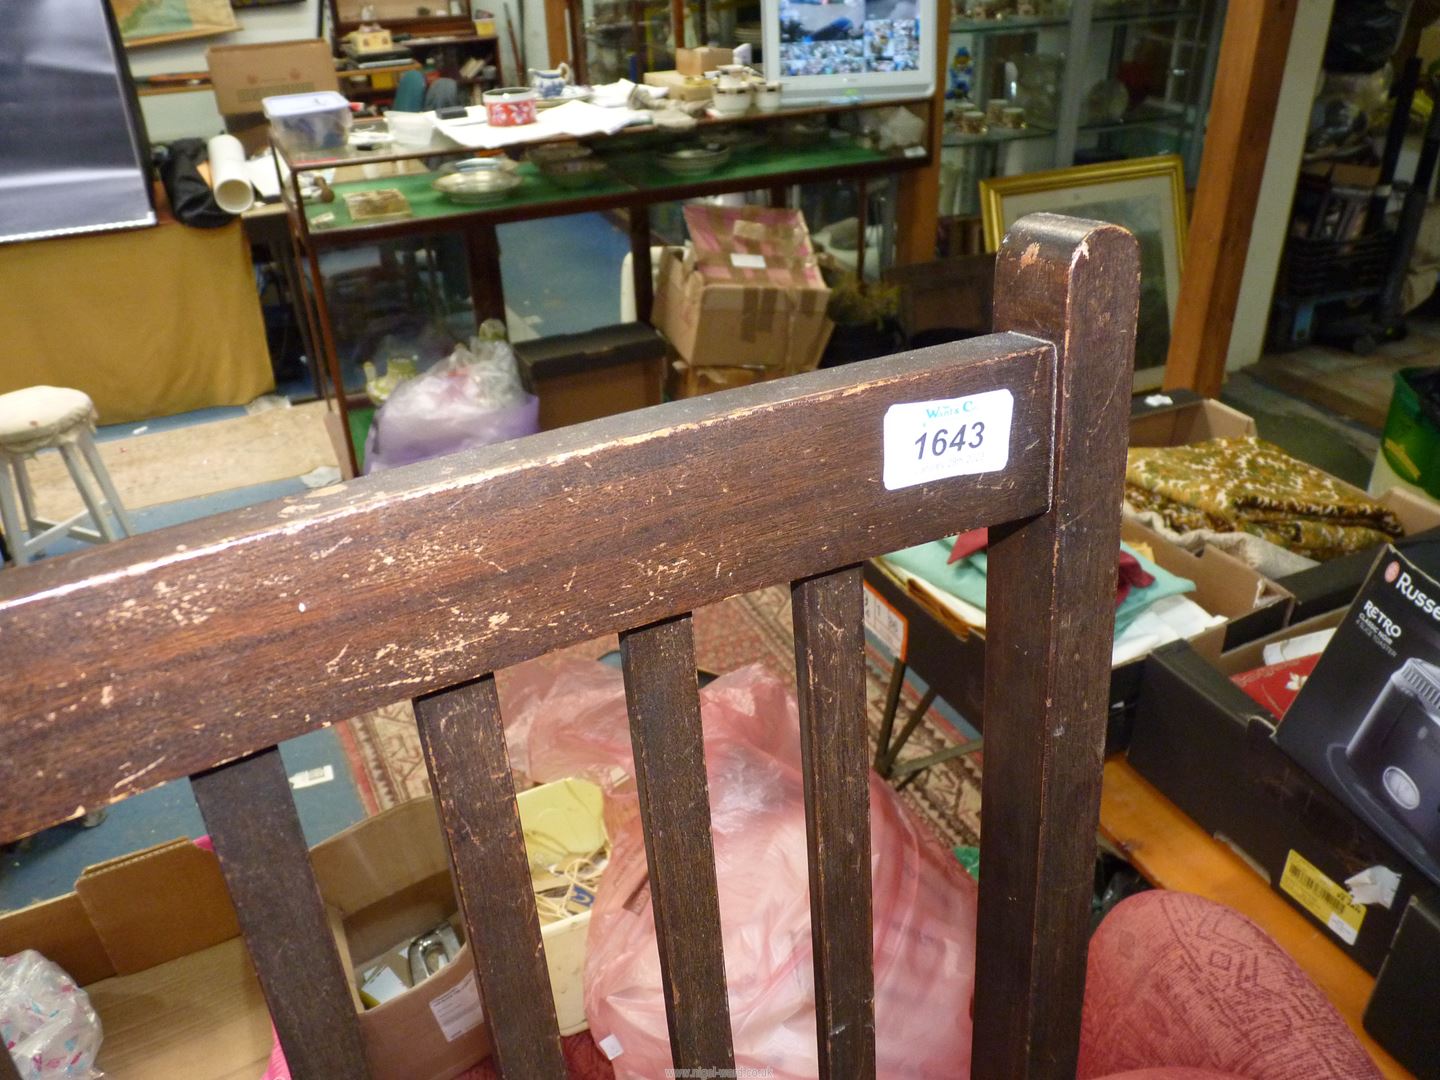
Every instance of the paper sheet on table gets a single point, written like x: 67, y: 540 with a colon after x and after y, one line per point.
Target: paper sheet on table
x: 263, y: 177
x: 574, y: 119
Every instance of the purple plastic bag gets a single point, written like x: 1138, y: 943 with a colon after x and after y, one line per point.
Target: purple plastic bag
x: 451, y: 407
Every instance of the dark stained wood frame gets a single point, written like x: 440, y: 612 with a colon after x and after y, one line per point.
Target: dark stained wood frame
x: 194, y: 650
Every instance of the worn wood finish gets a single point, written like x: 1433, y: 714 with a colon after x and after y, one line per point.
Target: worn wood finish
x: 663, y: 697
x: 313, y: 609
x: 834, y: 748
x: 252, y: 822
x: 1052, y: 583
x: 1248, y: 74
x: 464, y: 743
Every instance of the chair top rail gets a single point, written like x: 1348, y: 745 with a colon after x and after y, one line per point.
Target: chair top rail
x: 179, y: 650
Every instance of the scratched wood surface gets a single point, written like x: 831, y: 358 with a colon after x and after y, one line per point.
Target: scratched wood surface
x: 835, y: 754
x: 252, y: 822
x: 1047, y: 663
x: 175, y: 650
x: 663, y: 699
x: 464, y: 742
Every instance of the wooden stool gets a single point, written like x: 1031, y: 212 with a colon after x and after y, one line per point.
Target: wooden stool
x: 37, y: 418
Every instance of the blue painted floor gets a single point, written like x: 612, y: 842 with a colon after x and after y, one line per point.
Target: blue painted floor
x: 563, y: 272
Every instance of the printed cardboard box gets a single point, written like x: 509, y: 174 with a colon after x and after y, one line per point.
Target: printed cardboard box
x: 748, y: 294
x: 1366, y: 724
x: 244, y: 75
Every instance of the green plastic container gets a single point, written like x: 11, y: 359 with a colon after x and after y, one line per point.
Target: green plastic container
x: 1411, y: 442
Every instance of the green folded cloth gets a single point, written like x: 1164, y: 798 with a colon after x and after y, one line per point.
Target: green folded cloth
x: 966, y: 578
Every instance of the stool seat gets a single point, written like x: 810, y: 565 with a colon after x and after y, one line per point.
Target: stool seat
x: 40, y: 416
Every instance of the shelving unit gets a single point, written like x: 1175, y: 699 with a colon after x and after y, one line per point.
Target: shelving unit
x: 440, y: 43
x: 767, y: 161
x: 1159, y: 54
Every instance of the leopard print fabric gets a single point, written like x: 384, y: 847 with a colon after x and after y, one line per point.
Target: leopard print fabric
x: 1248, y: 485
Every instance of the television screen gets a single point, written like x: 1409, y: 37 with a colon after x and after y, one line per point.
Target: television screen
x: 849, y: 48
x: 851, y: 37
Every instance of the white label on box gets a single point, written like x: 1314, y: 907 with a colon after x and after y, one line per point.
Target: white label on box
x: 914, y: 151
x: 458, y: 1010
x: 610, y: 1047
x: 935, y: 440
x: 887, y: 624
x: 1343, y: 930
x: 747, y: 262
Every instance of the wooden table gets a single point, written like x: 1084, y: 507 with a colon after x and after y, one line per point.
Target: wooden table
x: 1173, y: 852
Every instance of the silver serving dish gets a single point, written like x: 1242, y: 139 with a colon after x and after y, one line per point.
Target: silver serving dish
x: 477, y: 181
x: 694, y: 160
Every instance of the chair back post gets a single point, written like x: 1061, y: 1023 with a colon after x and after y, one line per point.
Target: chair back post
x: 1050, y: 621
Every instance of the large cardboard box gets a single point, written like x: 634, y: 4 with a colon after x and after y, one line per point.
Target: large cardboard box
x: 681, y: 87
x: 152, y: 937
x: 244, y: 75
x: 1211, y: 750
x: 748, y: 294
x: 699, y: 61
x: 1180, y: 417
x: 951, y: 658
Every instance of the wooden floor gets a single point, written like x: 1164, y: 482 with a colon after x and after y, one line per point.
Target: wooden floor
x: 1172, y: 852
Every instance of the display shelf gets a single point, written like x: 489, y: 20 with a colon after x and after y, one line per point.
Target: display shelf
x: 996, y: 135
x: 1016, y: 24
x: 1131, y: 14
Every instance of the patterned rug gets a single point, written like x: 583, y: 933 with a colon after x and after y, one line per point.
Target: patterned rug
x: 384, y: 748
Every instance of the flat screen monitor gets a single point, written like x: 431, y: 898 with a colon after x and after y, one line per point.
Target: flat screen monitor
x: 73, y: 154
x: 851, y: 50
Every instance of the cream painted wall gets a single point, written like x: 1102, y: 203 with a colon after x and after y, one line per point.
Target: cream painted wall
x: 1277, y: 188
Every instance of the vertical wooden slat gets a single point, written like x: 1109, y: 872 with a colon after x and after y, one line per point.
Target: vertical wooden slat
x: 1248, y: 74
x: 1052, y: 589
x: 464, y: 743
x: 834, y: 745
x: 252, y: 822
x: 664, y: 703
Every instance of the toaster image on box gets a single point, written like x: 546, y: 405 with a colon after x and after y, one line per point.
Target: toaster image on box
x: 1396, y: 750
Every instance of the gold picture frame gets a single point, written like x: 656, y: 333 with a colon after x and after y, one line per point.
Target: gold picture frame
x: 1146, y: 196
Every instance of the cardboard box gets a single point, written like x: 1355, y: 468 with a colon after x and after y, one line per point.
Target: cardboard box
x: 699, y: 61
x: 1180, y: 417
x: 1334, y: 584
x: 1211, y: 750
x: 681, y: 87
x: 387, y: 879
x: 685, y: 381
x: 749, y: 294
x: 244, y: 75
x: 952, y: 659
x: 154, y: 940
x: 152, y: 937
x: 580, y: 377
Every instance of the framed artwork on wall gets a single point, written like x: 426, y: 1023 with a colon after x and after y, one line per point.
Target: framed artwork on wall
x: 1144, y: 195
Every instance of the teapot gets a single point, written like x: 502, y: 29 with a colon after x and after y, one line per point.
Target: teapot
x: 550, y: 82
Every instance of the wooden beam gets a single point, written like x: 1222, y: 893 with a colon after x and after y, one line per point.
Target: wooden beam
x: 557, y: 36
x: 918, y: 213
x: 1237, y: 138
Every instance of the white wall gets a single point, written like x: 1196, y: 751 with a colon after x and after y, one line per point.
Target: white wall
x: 1277, y: 188
x: 173, y: 116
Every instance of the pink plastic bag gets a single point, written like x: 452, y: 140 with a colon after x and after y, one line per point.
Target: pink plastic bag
x: 568, y: 719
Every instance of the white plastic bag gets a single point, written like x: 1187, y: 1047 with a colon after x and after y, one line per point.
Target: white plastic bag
x: 46, y: 1022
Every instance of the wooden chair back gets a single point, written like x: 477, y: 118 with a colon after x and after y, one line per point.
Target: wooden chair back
x: 194, y: 650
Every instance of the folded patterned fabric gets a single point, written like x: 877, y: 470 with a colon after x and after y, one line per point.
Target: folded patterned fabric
x: 1248, y: 485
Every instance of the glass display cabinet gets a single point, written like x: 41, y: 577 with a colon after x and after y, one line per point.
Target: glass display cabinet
x: 1043, y: 84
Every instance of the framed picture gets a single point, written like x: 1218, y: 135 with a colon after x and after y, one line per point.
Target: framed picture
x: 1146, y: 196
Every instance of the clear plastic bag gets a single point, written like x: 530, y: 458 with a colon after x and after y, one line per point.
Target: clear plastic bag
x: 471, y: 398
x: 47, y: 1022
x: 569, y: 719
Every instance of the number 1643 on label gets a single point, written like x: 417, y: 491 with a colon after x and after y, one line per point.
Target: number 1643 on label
x: 927, y: 441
